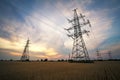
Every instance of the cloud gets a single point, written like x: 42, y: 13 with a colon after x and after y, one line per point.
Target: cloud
x: 6, y: 44
x: 15, y: 54
x: 101, y: 24
x: 45, y: 29
x: 7, y: 54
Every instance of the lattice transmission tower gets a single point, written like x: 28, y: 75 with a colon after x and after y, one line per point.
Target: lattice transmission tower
x: 109, y: 55
x: 99, y: 57
x: 25, y: 55
x: 79, y: 50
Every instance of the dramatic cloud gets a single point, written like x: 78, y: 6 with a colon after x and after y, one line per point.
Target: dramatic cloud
x: 44, y: 25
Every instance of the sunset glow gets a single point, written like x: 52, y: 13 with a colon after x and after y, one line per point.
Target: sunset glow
x: 43, y: 22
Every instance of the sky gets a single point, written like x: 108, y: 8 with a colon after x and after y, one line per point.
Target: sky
x: 43, y: 22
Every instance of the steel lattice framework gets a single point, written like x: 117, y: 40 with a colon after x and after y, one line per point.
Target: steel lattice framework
x: 99, y: 57
x: 25, y: 55
x: 79, y: 50
x: 109, y: 54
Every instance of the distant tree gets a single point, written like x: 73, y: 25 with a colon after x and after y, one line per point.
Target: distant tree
x: 11, y: 59
x: 65, y: 60
x: 62, y: 59
x: 46, y: 59
x: 1, y: 60
x: 58, y: 60
x: 41, y: 59
x: 27, y: 59
x: 37, y: 60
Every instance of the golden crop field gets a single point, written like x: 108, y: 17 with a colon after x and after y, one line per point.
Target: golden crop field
x: 104, y: 70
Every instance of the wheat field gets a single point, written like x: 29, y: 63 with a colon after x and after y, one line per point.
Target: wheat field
x: 104, y: 70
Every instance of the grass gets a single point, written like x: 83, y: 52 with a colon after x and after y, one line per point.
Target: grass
x: 104, y: 70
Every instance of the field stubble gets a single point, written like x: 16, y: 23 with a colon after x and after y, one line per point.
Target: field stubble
x: 105, y: 70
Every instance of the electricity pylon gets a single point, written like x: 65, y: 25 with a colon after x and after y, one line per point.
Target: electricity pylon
x: 109, y: 55
x: 79, y: 50
x: 25, y: 55
x: 99, y: 57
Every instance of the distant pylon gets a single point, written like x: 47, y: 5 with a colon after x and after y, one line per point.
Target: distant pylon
x: 99, y: 57
x: 79, y: 50
x: 109, y: 55
x: 25, y: 55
